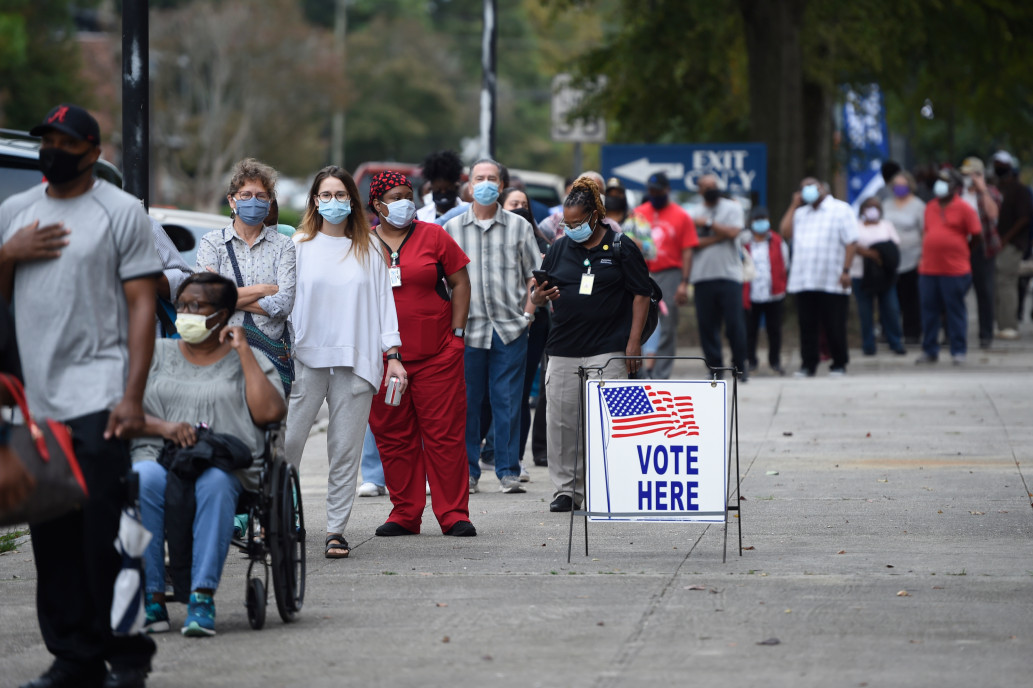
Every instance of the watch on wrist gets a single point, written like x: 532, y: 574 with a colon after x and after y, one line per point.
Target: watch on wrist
x: 459, y: 332
x: 529, y: 317
x: 395, y: 356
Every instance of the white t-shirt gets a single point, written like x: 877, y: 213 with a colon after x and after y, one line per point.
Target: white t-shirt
x: 344, y: 312
x: 868, y: 235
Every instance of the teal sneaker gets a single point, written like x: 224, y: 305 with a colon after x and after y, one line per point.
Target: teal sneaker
x: 157, y: 620
x: 200, y: 620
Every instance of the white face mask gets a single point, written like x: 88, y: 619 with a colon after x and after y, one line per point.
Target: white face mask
x: 872, y: 214
x: 941, y: 188
x: 193, y: 327
x: 400, y: 213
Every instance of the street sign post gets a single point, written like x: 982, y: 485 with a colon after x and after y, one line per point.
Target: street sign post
x: 565, y: 100
x: 741, y: 168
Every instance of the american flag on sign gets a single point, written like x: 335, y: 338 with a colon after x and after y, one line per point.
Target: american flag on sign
x: 642, y: 410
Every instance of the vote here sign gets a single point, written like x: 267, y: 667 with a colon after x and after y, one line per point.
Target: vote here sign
x: 656, y: 450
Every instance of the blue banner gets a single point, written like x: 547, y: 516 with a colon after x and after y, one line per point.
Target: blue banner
x: 866, y: 140
x: 741, y: 168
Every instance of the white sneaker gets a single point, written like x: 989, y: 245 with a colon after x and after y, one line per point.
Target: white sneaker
x: 525, y: 477
x: 1008, y: 333
x: 371, y: 490
x: 510, y: 484
x: 473, y: 485
x: 428, y: 487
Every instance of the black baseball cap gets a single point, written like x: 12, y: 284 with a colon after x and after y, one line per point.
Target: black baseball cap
x: 71, y: 120
x: 658, y: 180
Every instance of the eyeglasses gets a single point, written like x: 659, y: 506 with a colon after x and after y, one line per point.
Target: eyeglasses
x: 191, y: 306
x: 325, y: 196
x: 568, y: 226
x: 247, y: 196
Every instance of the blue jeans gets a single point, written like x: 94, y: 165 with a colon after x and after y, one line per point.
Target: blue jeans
x: 216, y: 493
x: 503, y: 367
x: 943, y: 294
x: 372, y: 469
x: 889, y: 316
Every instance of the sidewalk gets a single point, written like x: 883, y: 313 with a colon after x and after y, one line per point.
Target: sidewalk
x: 889, y: 530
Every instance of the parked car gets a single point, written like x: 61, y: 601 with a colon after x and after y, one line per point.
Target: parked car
x: 19, y: 164
x: 542, y: 186
x: 186, y: 227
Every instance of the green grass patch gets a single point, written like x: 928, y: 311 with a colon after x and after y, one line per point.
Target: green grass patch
x: 7, y: 540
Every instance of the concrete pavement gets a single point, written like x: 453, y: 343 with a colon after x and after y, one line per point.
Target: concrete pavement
x: 890, y: 533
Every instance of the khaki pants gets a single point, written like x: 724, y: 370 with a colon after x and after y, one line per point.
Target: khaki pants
x: 562, y: 429
x: 1006, y: 289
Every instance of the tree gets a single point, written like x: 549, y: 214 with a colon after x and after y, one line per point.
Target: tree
x: 227, y: 86
x: 38, y: 60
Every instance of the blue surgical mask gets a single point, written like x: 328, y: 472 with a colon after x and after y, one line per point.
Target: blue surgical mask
x: 761, y: 226
x: 486, y: 192
x: 334, y: 211
x: 810, y: 193
x: 580, y: 233
x: 252, y: 211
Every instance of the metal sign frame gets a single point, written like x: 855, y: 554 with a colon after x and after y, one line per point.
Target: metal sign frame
x: 733, y: 493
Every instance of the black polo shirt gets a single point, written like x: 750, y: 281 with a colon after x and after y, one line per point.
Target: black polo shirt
x: 598, y: 323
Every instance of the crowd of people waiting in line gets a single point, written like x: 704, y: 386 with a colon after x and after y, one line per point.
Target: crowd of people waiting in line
x: 455, y: 311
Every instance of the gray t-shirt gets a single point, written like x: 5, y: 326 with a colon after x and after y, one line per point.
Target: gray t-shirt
x: 910, y: 223
x: 71, y: 316
x: 720, y: 260
x: 179, y: 391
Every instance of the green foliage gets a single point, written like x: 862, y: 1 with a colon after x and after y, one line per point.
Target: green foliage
x: 38, y: 60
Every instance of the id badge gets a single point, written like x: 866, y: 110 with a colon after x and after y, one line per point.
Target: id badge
x: 587, y: 282
x: 395, y: 275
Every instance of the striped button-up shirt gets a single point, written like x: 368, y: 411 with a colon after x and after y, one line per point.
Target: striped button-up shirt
x: 502, y: 254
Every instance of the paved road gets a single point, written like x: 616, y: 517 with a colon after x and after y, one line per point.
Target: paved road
x: 894, y: 479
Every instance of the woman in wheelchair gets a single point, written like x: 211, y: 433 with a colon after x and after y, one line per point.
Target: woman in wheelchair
x: 209, y: 376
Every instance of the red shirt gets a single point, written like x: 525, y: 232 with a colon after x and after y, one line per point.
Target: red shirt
x: 424, y: 316
x: 673, y: 232
x: 945, y: 250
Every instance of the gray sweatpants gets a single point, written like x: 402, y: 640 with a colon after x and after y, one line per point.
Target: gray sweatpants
x: 668, y: 281
x: 349, y: 398
x: 561, y: 431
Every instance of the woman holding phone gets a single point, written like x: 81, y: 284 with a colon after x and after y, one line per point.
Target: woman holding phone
x: 346, y: 337
x: 600, y: 299
x: 421, y: 438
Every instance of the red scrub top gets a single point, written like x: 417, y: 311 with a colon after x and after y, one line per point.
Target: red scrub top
x: 424, y: 315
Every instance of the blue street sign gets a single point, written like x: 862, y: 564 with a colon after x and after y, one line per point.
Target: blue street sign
x: 740, y: 168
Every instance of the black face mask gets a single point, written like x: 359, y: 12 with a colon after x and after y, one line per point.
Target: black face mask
x: 524, y: 213
x: 60, y: 166
x: 711, y: 196
x: 659, y: 201
x: 444, y: 200
x: 617, y: 204
x: 1002, y: 171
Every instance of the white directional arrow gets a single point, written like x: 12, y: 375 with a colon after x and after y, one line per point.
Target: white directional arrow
x: 641, y: 169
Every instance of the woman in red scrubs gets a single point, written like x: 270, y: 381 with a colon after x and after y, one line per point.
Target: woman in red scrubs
x: 424, y: 436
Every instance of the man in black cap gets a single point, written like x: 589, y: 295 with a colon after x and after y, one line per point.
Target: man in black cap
x: 78, y: 256
x: 675, y: 237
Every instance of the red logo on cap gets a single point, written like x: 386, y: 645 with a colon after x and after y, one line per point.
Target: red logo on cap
x: 59, y: 115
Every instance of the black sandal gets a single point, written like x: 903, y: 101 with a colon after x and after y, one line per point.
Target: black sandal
x: 336, y: 541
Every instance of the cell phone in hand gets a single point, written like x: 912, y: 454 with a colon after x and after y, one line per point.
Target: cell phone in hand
x: 541, y: 277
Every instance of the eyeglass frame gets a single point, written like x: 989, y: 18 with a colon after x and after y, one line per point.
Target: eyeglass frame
x: 333, y: 195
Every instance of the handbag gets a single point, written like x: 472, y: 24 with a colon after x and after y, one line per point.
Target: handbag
x: 45, y: 448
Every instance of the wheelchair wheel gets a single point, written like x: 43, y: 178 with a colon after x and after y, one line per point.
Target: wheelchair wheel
x: 256, y: 601
x: 287, y: 544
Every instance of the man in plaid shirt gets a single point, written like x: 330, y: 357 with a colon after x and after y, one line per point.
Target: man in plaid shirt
x: 823, y: 232
x: 502, y: 253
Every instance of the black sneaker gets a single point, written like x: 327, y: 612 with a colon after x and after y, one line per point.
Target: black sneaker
x: 391, y: 529
x: 126, y: 677
x: 63, y: 676
x: 462, y: 529
x: 562, y: 503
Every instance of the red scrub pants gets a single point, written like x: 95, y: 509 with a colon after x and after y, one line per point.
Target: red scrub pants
x: 424, y: 438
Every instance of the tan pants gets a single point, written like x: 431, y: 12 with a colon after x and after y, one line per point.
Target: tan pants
x: 1006, y: 289
x: 562, y: 429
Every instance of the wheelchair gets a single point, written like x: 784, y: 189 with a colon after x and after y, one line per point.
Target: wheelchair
x: 275, y: 537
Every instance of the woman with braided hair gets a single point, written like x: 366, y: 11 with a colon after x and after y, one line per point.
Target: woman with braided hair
x: 344, y: 323
x: 600, y: 299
